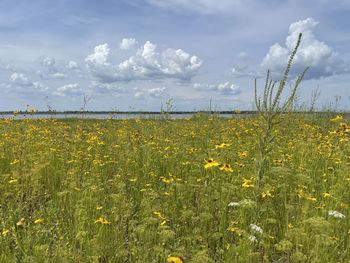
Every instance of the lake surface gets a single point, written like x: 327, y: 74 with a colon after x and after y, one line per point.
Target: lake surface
x: 116, y: 116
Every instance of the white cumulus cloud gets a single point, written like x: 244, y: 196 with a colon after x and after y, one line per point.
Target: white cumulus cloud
x: 72, y: 65
x: 313, y: 53
x: 147, y: 63
x: 157, y: 93
x: 50, y: 69
x: 127, y: 43
x: 20, y: 83
x: 100, y: 55
x: 69, y: 90
x: 20, y: 79
x: 243, y: 71
x: 228, y: 88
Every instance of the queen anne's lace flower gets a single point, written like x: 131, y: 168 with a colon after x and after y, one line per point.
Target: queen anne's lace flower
x: 336, y: 214
x: 233, y: 204
x: 253, y: 239
x: 256, y: 229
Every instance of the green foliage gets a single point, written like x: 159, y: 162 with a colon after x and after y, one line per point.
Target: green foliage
x: 142, y: 190
x: 271, y: 109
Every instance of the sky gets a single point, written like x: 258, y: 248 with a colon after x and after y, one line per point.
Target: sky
x: 140, y: 54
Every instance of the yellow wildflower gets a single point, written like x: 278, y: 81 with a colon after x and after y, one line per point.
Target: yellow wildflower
x: 243, y: 154
x: 172, y: 259
x: 226, y: 167
x: 38, y: 221
x: 326, y: 195
x: 337, y: 118
x: 161, y: 217
x: 102, y: 221
x: 233, y: 229
x: 210, y: 163
x: 266, y: 194
x: 310, y: 198
x: 277, y: 162
x: 14, y: 162
x: 5, y: 232
x: 166, y: 180
x: 247, y: 183
x: 157, y: 214
x: 222, y: 145
x: 13, y: 181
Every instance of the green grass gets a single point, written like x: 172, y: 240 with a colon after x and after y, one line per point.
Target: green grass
x: 138, y: 191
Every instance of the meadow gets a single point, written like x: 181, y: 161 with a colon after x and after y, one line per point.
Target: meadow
x: 148, y: 190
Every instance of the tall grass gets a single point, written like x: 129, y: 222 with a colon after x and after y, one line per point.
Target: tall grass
x: 144, y: 190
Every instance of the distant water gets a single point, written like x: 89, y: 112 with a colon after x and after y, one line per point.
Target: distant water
x: 113, y: 116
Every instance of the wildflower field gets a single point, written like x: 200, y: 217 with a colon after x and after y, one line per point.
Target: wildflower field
x: 149, y: 190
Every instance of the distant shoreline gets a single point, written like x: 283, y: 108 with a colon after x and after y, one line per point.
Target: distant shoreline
x: 126, y: 112
x: 149, y: 112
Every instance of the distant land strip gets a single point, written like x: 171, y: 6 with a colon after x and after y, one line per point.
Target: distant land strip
x: 235, y: 112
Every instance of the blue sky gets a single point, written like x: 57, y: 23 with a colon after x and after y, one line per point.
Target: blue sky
x: 137, y: 54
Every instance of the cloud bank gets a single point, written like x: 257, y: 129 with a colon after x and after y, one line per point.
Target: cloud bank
x: 313, y: 53
x: 127, y: 43
x: 146, y: 64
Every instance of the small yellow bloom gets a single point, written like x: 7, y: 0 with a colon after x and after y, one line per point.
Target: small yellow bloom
x: 337, y: 118
x: 226, y: 167
x: 38, y: 221
x: 102, y: 221
x: 5, y: 232
x: 247, y: 183
x: 14, y: 162
x: 210, y: 163
x: 326, y: 195
x: 243, y: 154
x: 266, y: 194
x: 233, y: 229
x: 13, y: 181
x: 172, y: 259
x: 161, y: 217
x: 310, y: 198
x: 157, y: 214
x: 166, y: 180
x: 277, y: 162
x: 99, y: 207
x: 222, y: 145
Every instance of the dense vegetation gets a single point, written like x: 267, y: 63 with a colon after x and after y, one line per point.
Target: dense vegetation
x: 144, y: 190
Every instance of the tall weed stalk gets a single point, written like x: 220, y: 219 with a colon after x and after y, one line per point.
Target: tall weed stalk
x: 270, y: 108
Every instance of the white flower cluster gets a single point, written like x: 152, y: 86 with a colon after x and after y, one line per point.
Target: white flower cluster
x: 256, y: 229
x: 233, y: 204
x: 253, y: 239
x: 336, y: 214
